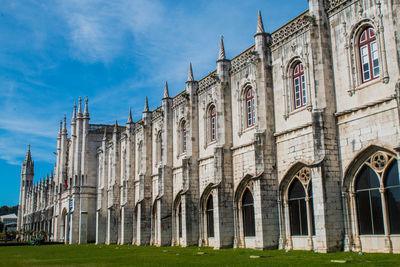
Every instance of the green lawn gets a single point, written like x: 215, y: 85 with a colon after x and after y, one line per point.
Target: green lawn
x: 102, y: 255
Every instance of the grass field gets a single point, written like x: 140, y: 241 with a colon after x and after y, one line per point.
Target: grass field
x: 102, y: 255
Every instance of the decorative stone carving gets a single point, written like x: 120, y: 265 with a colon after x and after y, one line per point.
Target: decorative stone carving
x: 289, y: 30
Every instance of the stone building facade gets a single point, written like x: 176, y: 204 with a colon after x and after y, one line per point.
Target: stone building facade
x: 292, y: 144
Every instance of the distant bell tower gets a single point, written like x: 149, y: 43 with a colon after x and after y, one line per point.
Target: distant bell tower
x: 26, y: 183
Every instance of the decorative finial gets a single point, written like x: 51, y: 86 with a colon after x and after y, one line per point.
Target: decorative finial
x: 166, y: 92
x: 80, y: 106
x: 260, y: 26
x: 65, y: 123
x: 221, y: 49
x: 116, y: 126
x: 86, y: 112
x: 190, y: 74
x: 146, y: 105
x: 105, y: 134
x: 74, y: 115
x: 60, y: 126
x: 130, y: 116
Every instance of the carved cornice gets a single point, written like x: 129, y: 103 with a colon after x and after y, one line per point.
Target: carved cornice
x: 178, y: 100
x: 242, y: 60
x: 331, y: 5
x: 207, y: 82
x: 300, y: 23
x: 157, y: 113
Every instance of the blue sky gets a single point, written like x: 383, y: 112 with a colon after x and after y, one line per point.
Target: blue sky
x: 115, y: 52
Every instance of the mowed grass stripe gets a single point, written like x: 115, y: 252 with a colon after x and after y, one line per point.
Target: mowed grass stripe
x: 114, y: 255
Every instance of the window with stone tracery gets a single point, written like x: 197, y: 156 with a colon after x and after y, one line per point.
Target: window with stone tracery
x: 159, y: 148
x: 300, y: 203
x: 249, y: 225
x: 211, y: 124
x: 210, y: 216
x: 377, y: 189
x: 299, y: 86
x: 183, y: 136
x: 250, y: 109
x: 369, y: 59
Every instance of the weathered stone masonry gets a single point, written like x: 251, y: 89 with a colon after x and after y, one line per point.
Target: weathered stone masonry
x: 270, y: 150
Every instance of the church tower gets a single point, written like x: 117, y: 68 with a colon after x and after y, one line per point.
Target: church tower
x: 26, y: 183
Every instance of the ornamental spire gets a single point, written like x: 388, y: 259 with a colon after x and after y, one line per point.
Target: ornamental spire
x: 146, y: 105
x: 260, y: 25
x: 221, y: 49
x: 130, y: 116
x: 80, y: 107
x: 105, y: 134
x: 86, y: 112
x: 166, y: 92
x: 74, y: 114
x: 190, y: 74
x: 28, y: 157
x: 116, y: 126
x: 64, y: 129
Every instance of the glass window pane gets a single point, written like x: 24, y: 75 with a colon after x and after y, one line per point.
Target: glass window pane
x: 393, y: 202
x: 377, y: 216
x: 367, y: 179
x: 294, y: 212
x: 364, y: 213
x: 180, y: 220
x: 296, y: 190
x: 248, y: 214
x: 392, y: 175
x: 210, y: 217
x: 303, y: 217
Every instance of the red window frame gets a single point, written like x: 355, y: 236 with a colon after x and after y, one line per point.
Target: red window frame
x: 183, y: 131
x: 213, y: 124
x: 299, y: 86
x: 250, y: 112
x: 368, y: 52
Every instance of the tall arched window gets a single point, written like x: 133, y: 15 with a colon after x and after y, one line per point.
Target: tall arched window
x: 368, y: 55
x: 250, y: 109
x: 159, y: 147
x: 369, y: 203
x: 248, y: 214
x: 298, y: 208
x: 299, y: 86
x: 392, y: 185
x: 213, y: 123
x: 183, y: 136
x: 180, y: 219
x: 139, y: 159
x: 210, y: 216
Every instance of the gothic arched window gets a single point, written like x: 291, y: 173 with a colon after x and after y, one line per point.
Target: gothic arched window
x: 369, y: 59
x: 210, y: 216
x: 183, y: 135
x: 392, y: 185
x: 248, y: 214
x: 250, y: 109
x: 298, y: 209
x: 139, y: 159
x: 213, y: 123
x: 180, y: 219
x: 159, y: 152
x: 369, y: 203
x: 299, y: 86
